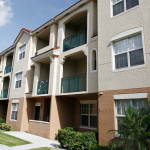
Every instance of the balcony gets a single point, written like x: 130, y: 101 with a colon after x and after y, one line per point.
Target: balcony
x: 73, y: 84
x: 7, y: 69
x: 4, y: 94
x: 75, y: 40
x: 42, y: 87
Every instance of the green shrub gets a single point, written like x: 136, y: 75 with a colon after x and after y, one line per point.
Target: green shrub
x: 7, y: 127
x: 2, y: 126
x: 72, y: 140
x: 2, y: 120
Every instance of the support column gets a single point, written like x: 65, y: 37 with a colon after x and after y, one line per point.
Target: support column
x: 53, y: 36
x: 36, y: 78
x: 53, y: 75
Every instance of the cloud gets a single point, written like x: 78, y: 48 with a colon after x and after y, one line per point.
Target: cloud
x: 5, y: 12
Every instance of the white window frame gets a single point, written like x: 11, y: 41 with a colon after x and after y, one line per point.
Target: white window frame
x: 125, y: 8
x: 21, y: 72
x: 24, y: 45
x: 14, y: 102
x: 131, y: 104
x: 88, y: 103
x: 91, y: 60
x: 127, y: 34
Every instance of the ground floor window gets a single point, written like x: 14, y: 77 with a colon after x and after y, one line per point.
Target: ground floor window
x: 14, y: 111
x: 122, y: 105
x: 88, y: 115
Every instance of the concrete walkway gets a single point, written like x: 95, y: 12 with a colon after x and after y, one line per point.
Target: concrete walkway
x: 36, y: 141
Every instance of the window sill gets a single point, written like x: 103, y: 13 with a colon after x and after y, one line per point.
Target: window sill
x: 82, y: 127
x: 126, y: 11
x: 44, y: 122
x: 130, y: 68
x: 13, y: 120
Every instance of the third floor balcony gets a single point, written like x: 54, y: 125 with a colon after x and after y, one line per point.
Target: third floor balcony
x: 8, y: 69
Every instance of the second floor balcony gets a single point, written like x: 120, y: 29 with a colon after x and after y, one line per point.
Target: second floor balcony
x: 4, y: 94
x: 8, y: 69
x: 42, y: 87
x: 75, y: 40
x: 73, y: 84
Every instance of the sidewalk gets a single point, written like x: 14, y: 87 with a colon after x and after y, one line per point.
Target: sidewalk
x: 36, y: 141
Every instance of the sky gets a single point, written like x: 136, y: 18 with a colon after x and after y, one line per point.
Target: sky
x: 16, y: 14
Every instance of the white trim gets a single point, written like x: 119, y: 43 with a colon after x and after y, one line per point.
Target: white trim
x: 39, y: 121
x: 82, y: 127
x: 15, y: 101
x: 91, y: 61
x: 88, y: 102
x: 126, y: 33
x: 37, y: 104
x: 131, y: 96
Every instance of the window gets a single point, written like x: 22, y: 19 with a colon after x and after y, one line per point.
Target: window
x: 120, y: 6
x: 22, y: 52
x: 128, y: 52
x: 18, y: 80
x: 14, y: 111
x: 122, y: 105
x: 94, y: 60
x: 88, y: 115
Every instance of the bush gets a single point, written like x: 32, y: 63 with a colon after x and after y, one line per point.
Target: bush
x: 73, y: 140
x: 5, y: 127
x: 2, y: 120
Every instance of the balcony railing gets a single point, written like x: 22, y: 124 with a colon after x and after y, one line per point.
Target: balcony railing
x: 4, y: 94
x: 73, y: 84
x: 7, y: 69
x: 42, y: 87
x: 75, y: 40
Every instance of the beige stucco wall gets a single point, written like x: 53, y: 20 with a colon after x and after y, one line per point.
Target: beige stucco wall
x: 108, y: 28
x: 21, y: 66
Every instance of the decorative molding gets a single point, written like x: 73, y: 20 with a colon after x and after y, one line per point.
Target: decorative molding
x: 51, y: 58
x: 63, y: 60
x: 131, y: 96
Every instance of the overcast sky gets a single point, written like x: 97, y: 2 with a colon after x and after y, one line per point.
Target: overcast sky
x: 16, y: 14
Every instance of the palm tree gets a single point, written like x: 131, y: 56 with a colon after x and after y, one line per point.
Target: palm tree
x: 135, y: 131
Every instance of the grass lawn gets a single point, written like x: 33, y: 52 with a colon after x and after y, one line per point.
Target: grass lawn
x: 9, y: 140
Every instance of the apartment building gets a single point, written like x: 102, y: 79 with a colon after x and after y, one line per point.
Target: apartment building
x: 80, y: 69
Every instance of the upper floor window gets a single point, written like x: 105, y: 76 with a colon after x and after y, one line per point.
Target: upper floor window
x: 120, y: 6
x: 22, y: 52
x: 128, y: 52
x: 94, y: 60
x: 18, y: 80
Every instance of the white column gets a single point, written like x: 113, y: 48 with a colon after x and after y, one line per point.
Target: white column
x: 53, y: 75
x: 53, y: 36
x: 36, y: 78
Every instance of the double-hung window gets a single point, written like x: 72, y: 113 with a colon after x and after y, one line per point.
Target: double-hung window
x: 128, y: 52
x: 22, y: 52
x: 88, y: 115
x: 18, y: 80
x: 120, y: 6
x: 122, y: 105
x: 14, y: 111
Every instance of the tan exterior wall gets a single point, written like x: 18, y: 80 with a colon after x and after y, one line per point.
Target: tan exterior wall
x: 21, y: 124
x: 106, y: 112
x: 40, y: 129
x: 111, y: 26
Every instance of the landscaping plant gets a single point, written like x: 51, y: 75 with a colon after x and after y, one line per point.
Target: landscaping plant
x: 135, y: 131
